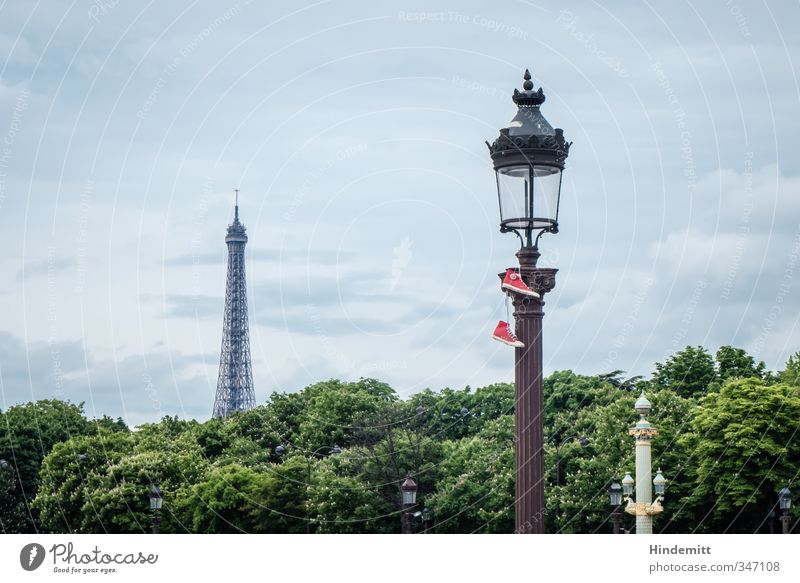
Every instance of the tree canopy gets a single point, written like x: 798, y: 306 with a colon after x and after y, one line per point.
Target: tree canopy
x: 728, y: 441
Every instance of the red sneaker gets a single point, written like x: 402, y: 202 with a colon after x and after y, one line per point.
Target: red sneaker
x: 504, y: 334
x: 513, y: 282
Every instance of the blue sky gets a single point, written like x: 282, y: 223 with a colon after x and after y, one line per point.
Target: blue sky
x: 355, y: 131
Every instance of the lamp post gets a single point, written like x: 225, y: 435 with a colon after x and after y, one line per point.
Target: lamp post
x: 308, y: 456
x: 528, y: 158
x: 644, y: 508
x: 156, y: 500
x: 615, y: 500
x: 785, y: 503
x: 583, y: 440
x: 423, y: 517
x: 409, y: 494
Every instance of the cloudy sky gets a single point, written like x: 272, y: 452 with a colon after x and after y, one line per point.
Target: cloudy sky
x: 355, y: 131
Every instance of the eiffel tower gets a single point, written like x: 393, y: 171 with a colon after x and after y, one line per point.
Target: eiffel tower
x: 235, y: 381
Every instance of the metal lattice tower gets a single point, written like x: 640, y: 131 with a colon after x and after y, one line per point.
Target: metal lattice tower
x: 235, y: 382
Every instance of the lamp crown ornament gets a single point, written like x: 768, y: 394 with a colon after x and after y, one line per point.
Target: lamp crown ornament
x: 529, y: 130
x: 528, y: 97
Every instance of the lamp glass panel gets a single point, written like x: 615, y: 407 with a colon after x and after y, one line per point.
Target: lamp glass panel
x: 514, y: 195
x: 546, y: 189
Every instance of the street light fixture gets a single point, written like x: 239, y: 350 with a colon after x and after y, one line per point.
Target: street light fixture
x: 659, y: 485
x: 615, y: 500
x: 785, y: 504
x: 3, y: 464
x: 528, y: 159
x: 627, y: 485
x: 156, y: 501
x: 409, y: 496
x: 308, y: 456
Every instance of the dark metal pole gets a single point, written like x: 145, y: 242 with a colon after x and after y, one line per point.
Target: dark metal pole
x: 529, y: 446
x: 407, y: 527
x: 308, y: 497
x: 786, y: 522
x: 616, y: 516
x: 558, y: 465
x: 155, y: 522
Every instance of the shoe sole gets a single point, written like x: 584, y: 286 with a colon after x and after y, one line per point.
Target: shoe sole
x: 531, y: 293
x: 507, y: 343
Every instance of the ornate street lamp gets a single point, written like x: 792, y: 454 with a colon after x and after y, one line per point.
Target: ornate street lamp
x: 528, y: 159
x: 615, y: 500
x: 644, y: 508
x: 409, y: 494
x: 785, y: 503
x: 156, y: 501
x: 3, y: 464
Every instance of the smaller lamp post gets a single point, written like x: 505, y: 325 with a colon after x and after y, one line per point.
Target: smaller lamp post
x: 785, y: 503
x: 3, y: 464
x: 423, y: 517
x: 615, y: 500
x: 409, y: 493
x: 156, y: 500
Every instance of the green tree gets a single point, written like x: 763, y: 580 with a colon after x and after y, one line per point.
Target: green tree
x: 736, y: 363
x: 791, y: 374
x: 333, y: 406
x: 688, y: 372
x: 476, y: 490
x: 27, y: 434
x: 118, y: 498
x: 580, y: 503
x: 223, y: 502
x: 746, y: 447
x: 566, y: 391
x: 64, y: 499
x: 348, y: 504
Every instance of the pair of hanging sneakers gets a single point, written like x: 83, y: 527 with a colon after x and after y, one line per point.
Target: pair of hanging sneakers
x: 512, y: 283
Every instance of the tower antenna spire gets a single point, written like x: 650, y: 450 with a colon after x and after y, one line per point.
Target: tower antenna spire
x: 236, y: 211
